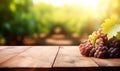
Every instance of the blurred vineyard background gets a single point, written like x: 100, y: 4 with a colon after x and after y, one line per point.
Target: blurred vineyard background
x: 52, y: 22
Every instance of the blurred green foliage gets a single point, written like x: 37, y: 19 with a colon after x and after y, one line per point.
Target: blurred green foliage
x: 19, y: 18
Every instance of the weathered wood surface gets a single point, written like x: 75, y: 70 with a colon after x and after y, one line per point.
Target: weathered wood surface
x: 107, y: 62
x: 34, y: 57
x: 69, y: 56
x: 52, y: 58
x: 11, y: 51
x: 3, y: 47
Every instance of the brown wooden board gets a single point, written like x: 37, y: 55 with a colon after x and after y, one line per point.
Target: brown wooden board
x: 11, y: 51
x: 37, y: 58
x: 108, y: 64
x: 52, y: 58
x: 3, y: 47
x: 70, y: 59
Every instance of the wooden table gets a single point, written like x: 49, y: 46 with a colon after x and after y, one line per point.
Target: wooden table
x: 52, y: 58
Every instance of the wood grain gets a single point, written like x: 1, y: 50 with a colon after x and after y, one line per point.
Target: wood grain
x: 37, y: 56
x: 70, y: 57
x: 3, y: 47
x: 107, y: 62
x: 52, y: 58
x: 11, y: 51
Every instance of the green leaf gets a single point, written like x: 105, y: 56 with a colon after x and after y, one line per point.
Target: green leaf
x: 118, y: 35
x: 111, y: 26
x: 7, y: 26
x: 12, y: 7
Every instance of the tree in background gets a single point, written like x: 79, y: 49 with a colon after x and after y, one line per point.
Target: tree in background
x: 17, y: 20
x: 6, y: 16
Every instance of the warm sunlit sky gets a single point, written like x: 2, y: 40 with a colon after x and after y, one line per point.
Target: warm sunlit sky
x: 85, y: 3
x: 99, y: 6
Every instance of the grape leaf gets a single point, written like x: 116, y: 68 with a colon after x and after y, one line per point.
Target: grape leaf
x: 111, y: 26
x: 118, y: 35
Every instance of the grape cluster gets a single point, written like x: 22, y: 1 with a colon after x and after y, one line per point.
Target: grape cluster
x: 114, y: 48
x: 99, y: 46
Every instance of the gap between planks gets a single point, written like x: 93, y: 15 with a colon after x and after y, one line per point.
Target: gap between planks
x: 37, y: 56
x: 69, y: 56
x: 66, y: 51
x: 56, y: 56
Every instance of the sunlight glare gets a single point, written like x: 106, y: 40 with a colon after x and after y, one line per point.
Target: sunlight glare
x: 84, y: 3
x: 90, y: 3
x: 93, y: 7
x: 36, y: 1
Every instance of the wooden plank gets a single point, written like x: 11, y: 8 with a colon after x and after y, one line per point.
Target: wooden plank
x: 69, y: 58
x: 108, y: 64
x: 115, y: 62
x: 3, y: 47
x: 25, y: 69
x: 11, y: 51
x: 36, y: 57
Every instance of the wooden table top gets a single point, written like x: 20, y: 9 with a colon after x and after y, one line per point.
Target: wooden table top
x: 52, y: 58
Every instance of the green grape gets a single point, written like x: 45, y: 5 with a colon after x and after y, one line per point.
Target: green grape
x: 93, y: 38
